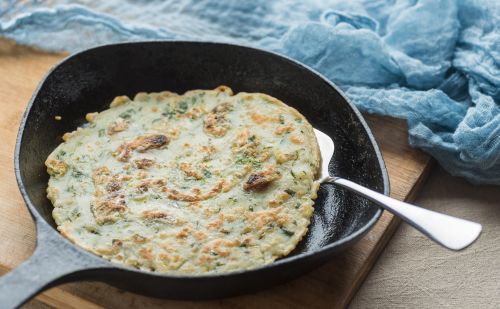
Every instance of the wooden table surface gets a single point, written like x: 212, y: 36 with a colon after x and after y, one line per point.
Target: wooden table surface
x: 332, y: 285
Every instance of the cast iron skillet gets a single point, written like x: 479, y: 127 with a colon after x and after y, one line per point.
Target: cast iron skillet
x: 87, y: 82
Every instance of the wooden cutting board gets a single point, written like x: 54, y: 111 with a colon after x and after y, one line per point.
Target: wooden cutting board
x: 332, y: 285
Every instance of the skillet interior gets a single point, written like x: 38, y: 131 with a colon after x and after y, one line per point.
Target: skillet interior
x: 88, y: 81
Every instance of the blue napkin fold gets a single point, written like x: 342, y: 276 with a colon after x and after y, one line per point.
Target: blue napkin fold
x: 435, y: 63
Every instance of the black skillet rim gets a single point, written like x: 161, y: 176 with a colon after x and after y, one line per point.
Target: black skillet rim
x: 110, y: 265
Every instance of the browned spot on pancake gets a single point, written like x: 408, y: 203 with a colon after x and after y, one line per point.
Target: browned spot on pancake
x: 118, y: 125
x: 100, y: 175
x: 187, y: 169
x: 216, y: 122
x: 176, y: 195
x: 109, y: 209
x: 56, y: 168
x: 280, y: 130
x: 143, y: 163
x: 261, y: 179
x: 140, y: 144
x: 113, y: 186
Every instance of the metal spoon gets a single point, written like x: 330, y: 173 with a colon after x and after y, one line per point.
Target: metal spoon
x: 450, y: 232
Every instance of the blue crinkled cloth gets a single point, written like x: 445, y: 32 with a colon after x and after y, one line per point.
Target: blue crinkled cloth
x: 435, y: 63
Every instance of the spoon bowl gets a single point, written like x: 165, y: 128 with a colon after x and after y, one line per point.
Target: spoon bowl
x: 450, y: 232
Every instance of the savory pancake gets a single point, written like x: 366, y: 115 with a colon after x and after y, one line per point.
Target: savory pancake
x: 204, y: 182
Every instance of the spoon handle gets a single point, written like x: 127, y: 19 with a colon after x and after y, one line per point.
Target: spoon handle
x: 450, y: 232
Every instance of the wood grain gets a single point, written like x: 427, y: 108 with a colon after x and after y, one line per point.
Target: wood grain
x: 332, y: 285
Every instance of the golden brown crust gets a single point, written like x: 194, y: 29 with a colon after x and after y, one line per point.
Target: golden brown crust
x: 140, y: 144
x: 120, y: 100
x: 261, y: 179
x: 144, y: 163
x: 109, y: 208
x: 56, y: 168
x: 118, y: 125
x: 216, y: 122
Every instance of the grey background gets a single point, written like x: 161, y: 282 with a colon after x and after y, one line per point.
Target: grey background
x: 413, y: 272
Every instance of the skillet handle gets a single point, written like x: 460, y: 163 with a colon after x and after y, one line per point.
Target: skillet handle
x: 53, y: 261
